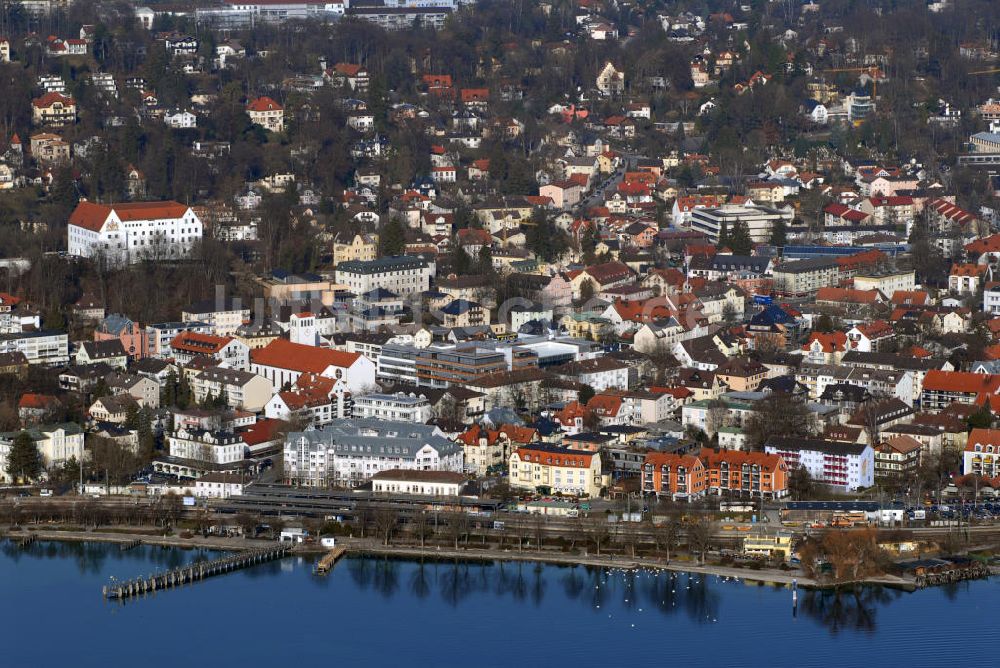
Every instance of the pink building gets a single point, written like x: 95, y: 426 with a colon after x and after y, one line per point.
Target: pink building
x: 133, y: 336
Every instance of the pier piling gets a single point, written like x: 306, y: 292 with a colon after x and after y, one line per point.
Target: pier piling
x: 192, y: 573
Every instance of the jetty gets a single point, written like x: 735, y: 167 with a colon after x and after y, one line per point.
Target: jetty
x: 328, y: 560
x: 945, y: 570
x: 192, y: 573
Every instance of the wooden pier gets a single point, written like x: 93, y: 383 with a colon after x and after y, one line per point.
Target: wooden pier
x: 25, y: 541
x: 192, y: 573
x: 132, y: 544
x: 326, y: 563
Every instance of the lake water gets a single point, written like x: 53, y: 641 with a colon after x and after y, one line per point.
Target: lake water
x: 375, y: 612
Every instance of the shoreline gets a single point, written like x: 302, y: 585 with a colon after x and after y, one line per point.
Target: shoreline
x: 369, y: 548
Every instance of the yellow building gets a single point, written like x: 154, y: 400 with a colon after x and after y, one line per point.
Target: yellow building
x: 561, y: 470
x: 766, y: 545
x: 362, y: 247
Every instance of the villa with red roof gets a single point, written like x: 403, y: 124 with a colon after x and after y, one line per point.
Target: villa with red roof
x: 131, y: 232
x: 225, y: 350
x: 267, y: 113
x: 282, y: 362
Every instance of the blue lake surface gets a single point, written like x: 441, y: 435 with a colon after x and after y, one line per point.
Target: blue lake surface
x: 378, y: 612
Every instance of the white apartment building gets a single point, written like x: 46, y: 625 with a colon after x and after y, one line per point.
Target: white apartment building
x: 991, y: 301
x: 352, y: 451
x: 39, y: 347
x: 242, y: 390
x: 56, y: 443
x: 398, y: 406
x: 844, y: 466
x: 206, y: 446
x: 403, y: 275
x: 758, y: 219
x: 133, y: 231
x: 224, y: 315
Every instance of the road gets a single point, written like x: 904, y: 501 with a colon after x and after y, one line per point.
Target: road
x: 608, y: 186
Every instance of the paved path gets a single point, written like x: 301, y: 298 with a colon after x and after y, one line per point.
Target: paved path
x: 209, y: 543
x: 357, y: 546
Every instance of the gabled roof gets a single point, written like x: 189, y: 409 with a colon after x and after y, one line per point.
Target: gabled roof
x: 283, y: 354
x: 47, y: 100
x: 960, y: 382
x: 832, y: 342
x: 92, y: 216
x: 736, y: 458
x: 264, y: 104
x: 199, y: 344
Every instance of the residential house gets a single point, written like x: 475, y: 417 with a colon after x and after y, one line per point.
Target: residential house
x: 53, y: 109
x: 267, y: 113
x: 673, y: 476
x: 539, y: 467
x: 241, y: 390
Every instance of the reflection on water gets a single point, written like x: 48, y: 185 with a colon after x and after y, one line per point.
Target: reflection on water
x: 453, y: 581
x: 94, y: 558
x: 855, y: 608
x: 582, y: 594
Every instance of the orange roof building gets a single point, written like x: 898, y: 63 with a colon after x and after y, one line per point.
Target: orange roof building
x: 283, y: 362
x: 674, y: 476
x: 267, y: 113
x: 747, y: 474
x: 942, y: 388
x: 133, y: 231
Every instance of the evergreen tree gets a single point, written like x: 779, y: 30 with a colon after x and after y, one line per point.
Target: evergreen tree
x: 24, y: 462
x: 740, y: 241
x: 392, y: 240
x: 184, y: 394
x: 147, y: 440
x: 779, y: 234
x: 168, y: 395
x: 724, y: 236
x: 461, y: 263
x: 588, y: 244
x: 545, y: 239
x: 484, y: 261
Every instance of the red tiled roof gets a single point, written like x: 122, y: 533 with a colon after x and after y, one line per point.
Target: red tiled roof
x: 990, y: 244
x: 49, y: 99
x: 713, y: 459
x: 983, y: 437
x: 974, y: 270
x: 949, y: 211
x: 348, y: 69
x: 605, y: 405
x: 556, y: 457
x: 642, y: 311
x: 197, y: 343
x: 264, y: 430
x: 92, y: 216
x: 264, y: 104
x: 832, y: 342
x: 475, y: 94
x: 36, y: 401
x: 658, y: 459
x: 961, y: 381
x: 608, y: 271
x: 909, y: 297
x: 283, y: 354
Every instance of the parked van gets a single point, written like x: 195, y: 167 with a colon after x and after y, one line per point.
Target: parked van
x: 329, y: 541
